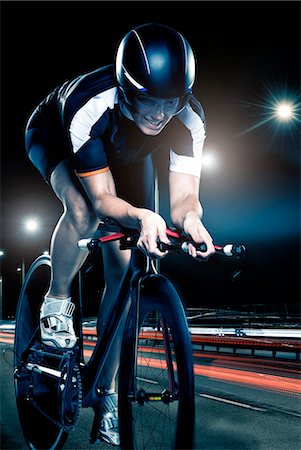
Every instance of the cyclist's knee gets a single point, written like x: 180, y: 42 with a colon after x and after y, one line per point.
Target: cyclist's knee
x: 82, y: 217
x: 78, y: 211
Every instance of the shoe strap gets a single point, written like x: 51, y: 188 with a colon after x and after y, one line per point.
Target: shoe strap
x: 109, y: 421
x: 111, y: 402
x: 115, y: 422
x: 57, y: 308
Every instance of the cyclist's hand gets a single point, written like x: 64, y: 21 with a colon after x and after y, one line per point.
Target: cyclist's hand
x: 194, y: 228
x: 152, y: 230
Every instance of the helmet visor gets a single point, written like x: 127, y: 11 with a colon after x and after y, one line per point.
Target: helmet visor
x: 145, y: 104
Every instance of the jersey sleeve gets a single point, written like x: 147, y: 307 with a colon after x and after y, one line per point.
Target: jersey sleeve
x: 191, y: 163
x: 90, y: 159
x: 89, y: 156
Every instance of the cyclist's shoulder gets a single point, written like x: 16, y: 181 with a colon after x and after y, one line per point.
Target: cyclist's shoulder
x: 97, y: 89
x: 197, y: 107
x: 193, y: 115
x: 76, y: 91
x: 87, y: 85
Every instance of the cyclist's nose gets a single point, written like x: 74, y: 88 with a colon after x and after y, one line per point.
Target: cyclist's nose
x: 159, y: 112
x: 159, y: 108
x: 159, y: 115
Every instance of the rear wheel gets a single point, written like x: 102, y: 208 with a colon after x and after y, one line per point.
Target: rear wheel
x: 47, y: 381
x: 156, y: 388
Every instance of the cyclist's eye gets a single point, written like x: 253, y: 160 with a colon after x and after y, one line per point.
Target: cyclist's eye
x: 172, y: 102
x: 143, y: 99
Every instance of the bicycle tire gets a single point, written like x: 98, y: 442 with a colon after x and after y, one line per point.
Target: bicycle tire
x: 40, y: 432
x: 147, y: 417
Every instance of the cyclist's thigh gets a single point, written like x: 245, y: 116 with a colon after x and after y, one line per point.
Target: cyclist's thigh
x: 45, y: 141
x: 48, y: 150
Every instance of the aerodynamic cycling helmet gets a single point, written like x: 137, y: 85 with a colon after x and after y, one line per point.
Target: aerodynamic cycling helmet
x: 155, y: 60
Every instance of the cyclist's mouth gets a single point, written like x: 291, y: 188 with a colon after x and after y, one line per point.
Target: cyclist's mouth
x: 154, y: 123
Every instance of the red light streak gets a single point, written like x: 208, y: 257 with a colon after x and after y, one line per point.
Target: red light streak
x: 232, y: 375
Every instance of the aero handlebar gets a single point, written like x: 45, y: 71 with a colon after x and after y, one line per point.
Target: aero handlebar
x: 179, y: 243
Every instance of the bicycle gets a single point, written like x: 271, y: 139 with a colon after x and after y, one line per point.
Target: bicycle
x: 156, y: 379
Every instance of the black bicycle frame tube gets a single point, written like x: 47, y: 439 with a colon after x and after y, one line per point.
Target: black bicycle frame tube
x: 170, y: 368
x: 92, y: 371
x: 135, y: 295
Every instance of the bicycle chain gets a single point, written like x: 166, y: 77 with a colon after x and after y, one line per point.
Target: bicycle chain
x: 52, y: 355
x: 66, y: 428
x: 76, y: 372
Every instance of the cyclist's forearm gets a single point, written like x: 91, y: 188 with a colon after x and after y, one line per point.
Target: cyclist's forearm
x: 184, y: 208
x: 116, y: 208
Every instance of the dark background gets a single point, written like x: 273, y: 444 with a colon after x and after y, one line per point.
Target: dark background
x: 248, y: 57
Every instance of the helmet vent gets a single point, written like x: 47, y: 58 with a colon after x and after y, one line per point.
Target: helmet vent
x: 185, y: 52
x: 143, y: 51
x: 132, y: 80
x: 157, y: 60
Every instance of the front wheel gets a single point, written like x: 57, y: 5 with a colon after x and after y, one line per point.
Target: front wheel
x: 156, y: 382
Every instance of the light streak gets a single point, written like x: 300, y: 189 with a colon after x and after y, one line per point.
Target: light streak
x: 230, y: 402
x: 244, y: 377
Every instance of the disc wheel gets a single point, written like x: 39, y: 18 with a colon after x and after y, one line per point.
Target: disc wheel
x: 39, y: 409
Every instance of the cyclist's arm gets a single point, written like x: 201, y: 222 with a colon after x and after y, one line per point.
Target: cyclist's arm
x: 101, y: 191
x: 186, y: 210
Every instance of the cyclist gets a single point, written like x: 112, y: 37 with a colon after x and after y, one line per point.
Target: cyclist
x: 93, y: 139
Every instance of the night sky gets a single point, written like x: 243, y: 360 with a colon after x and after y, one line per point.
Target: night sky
x: 248, y: 59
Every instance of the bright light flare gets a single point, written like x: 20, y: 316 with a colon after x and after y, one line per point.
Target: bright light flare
x: 32, y: 225
x: 277, y: 110
x: 285, y: 111
x: 209, y: 161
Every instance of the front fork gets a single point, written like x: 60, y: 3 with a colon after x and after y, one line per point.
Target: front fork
x: 136, y: 291
x: 170, y: 368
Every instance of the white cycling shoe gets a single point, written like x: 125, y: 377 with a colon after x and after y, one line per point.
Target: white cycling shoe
x: 56, y: 323
x: 109, y: 425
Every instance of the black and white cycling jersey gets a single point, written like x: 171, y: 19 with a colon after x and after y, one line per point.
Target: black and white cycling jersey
x: 82, y: 120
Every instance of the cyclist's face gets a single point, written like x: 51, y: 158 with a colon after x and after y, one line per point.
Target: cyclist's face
x: 152, y: 114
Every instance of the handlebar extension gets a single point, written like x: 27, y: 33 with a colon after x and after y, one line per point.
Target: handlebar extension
x: 229, y: 250
x: 178, y: 244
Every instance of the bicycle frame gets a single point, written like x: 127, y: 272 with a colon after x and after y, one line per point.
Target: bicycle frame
x: 140, y: 292
x: 92, y: 371
x: 129, y: 294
